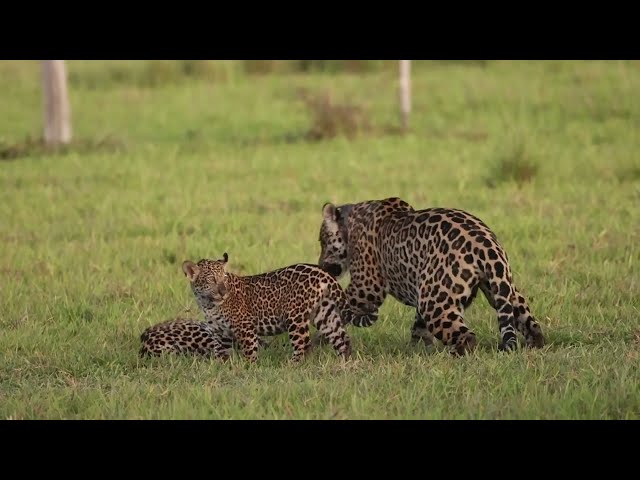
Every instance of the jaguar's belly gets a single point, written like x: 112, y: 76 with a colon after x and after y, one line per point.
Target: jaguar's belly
x: 401, y: 279
x: 269, y: 326
x: 403, y: 292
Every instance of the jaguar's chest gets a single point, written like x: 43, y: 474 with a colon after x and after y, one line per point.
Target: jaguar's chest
x: 218, y: 321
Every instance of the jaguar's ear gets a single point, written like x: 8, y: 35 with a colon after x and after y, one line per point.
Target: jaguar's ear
x: 225, y: 257
x: 330, y: 212
x: 191, y: 270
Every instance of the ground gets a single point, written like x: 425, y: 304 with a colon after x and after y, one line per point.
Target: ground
x: 91, y: 241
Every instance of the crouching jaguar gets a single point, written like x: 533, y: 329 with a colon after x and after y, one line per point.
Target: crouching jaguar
x: 434, y: 259
x: 181, y: 336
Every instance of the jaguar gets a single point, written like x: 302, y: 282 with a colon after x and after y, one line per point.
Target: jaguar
x: 288, y: 299
x: 434, y: 259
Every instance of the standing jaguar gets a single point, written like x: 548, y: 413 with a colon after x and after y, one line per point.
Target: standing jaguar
x: 288, y: 299
x: 434, y: 259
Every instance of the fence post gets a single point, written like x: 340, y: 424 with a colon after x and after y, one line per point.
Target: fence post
x: 405, y: 92
x: 57, y: 111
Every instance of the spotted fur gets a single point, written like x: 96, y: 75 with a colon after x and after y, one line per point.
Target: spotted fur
x: 180, y: 336
x: 284, y: 300
x: 434, y: 260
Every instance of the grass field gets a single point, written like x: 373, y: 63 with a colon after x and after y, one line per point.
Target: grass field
x: 91, y: 240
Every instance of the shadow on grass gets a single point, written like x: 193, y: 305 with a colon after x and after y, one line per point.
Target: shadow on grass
x: 34, y: 147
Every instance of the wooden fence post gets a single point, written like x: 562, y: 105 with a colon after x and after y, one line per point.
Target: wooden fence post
x: 57, y: 111
x: 405, y: 92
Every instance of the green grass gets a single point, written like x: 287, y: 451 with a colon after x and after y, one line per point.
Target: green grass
x: 91, y: 240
